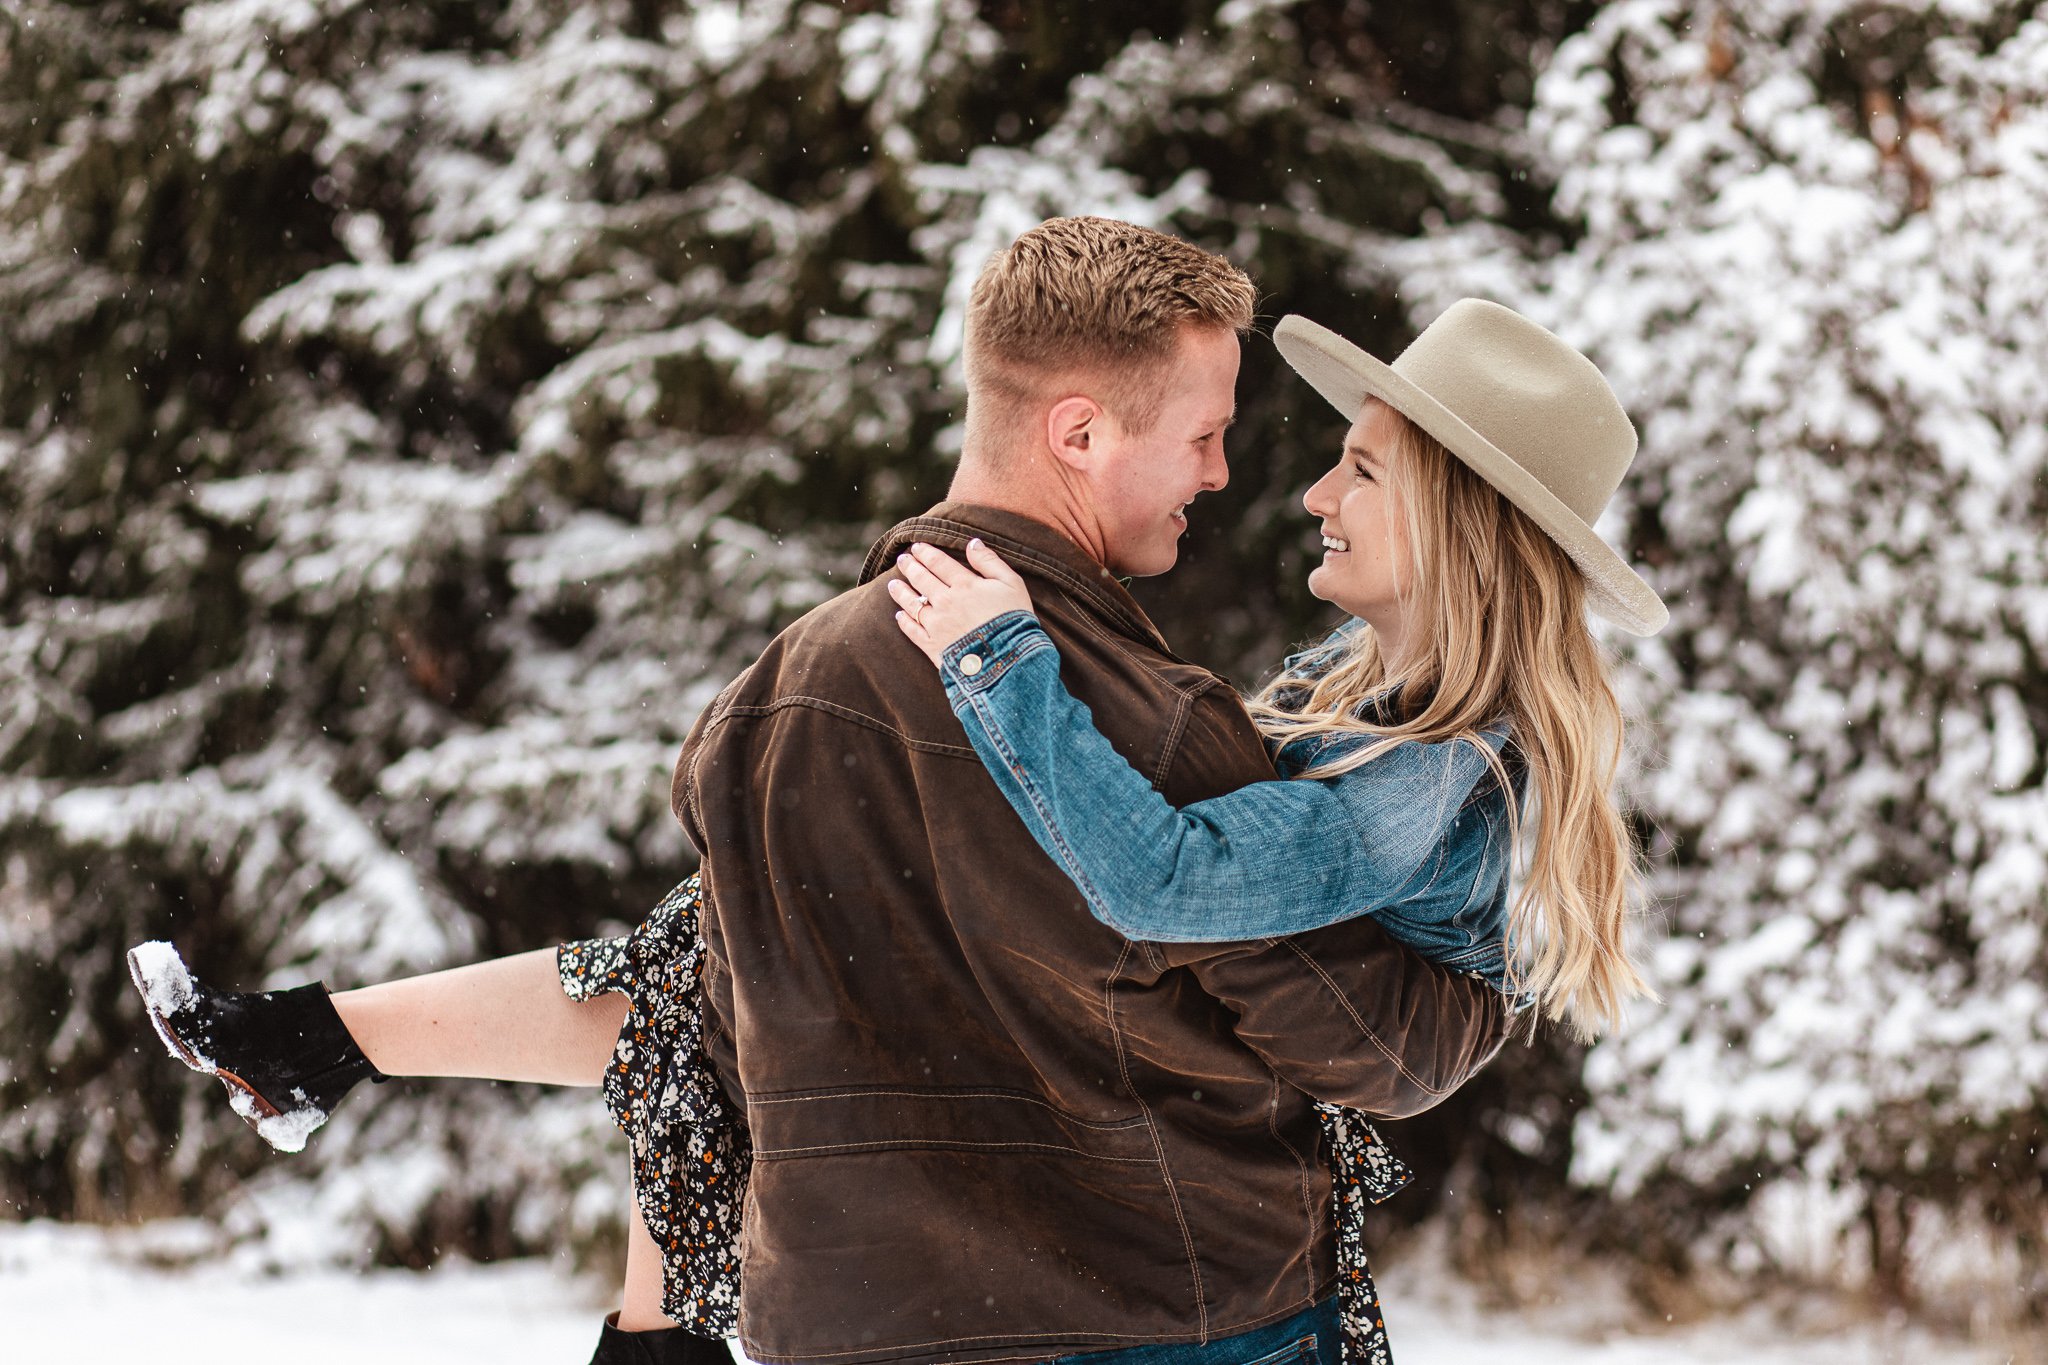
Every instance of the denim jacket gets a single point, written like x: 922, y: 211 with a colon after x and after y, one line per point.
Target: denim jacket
x: 1417, y: 838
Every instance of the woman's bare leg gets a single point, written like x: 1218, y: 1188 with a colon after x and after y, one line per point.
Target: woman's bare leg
x: 503, y: 1020
x: 640, y: 1310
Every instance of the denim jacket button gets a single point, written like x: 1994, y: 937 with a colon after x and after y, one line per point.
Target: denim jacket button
x: 970, y: 664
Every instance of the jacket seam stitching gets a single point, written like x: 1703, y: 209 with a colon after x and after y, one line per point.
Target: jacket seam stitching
x: 1158, y: 1147
x: 1171, y: 748
x: 1359, y: 1020
x: 943, y: 1145
x: 1108, y: 1124
x: 690, y: 790
x: 1443, y: 858
x: 1122, y: 646
x: 1307, y: 1196
x: 716, y: 1027
x: 721, y: 710
x: 761, y: 710
x: 1479, y: 879
x: 1443, y: 851
x: 711, y: 967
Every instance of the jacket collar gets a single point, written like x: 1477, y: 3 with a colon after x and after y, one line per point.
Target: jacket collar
x: 1031, y: 547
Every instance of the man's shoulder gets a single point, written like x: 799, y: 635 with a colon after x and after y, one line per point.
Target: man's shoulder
x: 843, y: 663
x: 846, y: 635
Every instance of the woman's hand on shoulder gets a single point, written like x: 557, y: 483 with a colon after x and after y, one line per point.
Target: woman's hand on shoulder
x: 939, y: 599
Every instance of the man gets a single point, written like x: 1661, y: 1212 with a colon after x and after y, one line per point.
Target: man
x: 985, y: 1127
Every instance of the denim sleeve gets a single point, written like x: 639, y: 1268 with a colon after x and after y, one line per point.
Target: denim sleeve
x: 1268, y: 859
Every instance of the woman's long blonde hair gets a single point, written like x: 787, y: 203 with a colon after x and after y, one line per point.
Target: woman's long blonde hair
x: 1497, y: 629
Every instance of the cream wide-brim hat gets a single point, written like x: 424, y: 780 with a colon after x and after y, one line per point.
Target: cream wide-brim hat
x: 1521, y: 408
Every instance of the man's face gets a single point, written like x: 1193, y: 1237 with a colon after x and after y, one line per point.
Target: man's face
x: 1144, y: 481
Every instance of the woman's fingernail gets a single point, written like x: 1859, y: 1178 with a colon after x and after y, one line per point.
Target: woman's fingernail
x: 975, y: 544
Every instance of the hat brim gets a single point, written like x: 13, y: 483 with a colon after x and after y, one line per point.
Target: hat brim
x: 1346, y: 376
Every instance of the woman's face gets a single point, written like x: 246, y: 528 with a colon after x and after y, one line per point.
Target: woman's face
x: 1365, y: 562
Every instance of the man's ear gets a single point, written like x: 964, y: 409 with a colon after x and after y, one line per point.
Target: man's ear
x: 1074, y: 431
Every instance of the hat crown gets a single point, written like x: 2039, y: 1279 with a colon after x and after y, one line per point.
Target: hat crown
x: 1524, y: 389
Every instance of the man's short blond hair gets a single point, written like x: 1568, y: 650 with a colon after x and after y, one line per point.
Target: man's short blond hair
x: 1093, y: 304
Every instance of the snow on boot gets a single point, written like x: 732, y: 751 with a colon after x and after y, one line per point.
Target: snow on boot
x: 285, y: 1056
x: 668, y: 1346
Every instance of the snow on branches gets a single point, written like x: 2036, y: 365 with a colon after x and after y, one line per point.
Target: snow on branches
x: 1809, y: 257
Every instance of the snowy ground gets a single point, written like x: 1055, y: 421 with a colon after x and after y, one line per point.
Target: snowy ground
x: 69, y: 1293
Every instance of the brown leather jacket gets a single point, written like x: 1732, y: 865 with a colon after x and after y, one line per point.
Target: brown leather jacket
x: 985, y: 1126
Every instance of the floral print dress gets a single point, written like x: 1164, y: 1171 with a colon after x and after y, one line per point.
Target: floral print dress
x: 691, y: 1155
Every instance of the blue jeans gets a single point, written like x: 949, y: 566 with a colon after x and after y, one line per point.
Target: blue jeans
x: 1310, y: 1337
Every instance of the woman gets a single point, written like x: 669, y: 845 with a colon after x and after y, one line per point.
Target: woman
x: 1468, y: 663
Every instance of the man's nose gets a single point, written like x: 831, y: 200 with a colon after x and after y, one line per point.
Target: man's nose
x: 1216, y: 471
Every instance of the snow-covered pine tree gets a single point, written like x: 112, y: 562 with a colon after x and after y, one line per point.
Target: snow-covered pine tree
x: 409, y: 415
x: 418, y: 412
x: 1810, y: 257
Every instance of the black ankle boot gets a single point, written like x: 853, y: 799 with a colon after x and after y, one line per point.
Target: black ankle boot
x: 285, y: 1056
x: 669, y: 1346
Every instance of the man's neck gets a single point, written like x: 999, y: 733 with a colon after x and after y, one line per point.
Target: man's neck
x: 1049, y: 496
